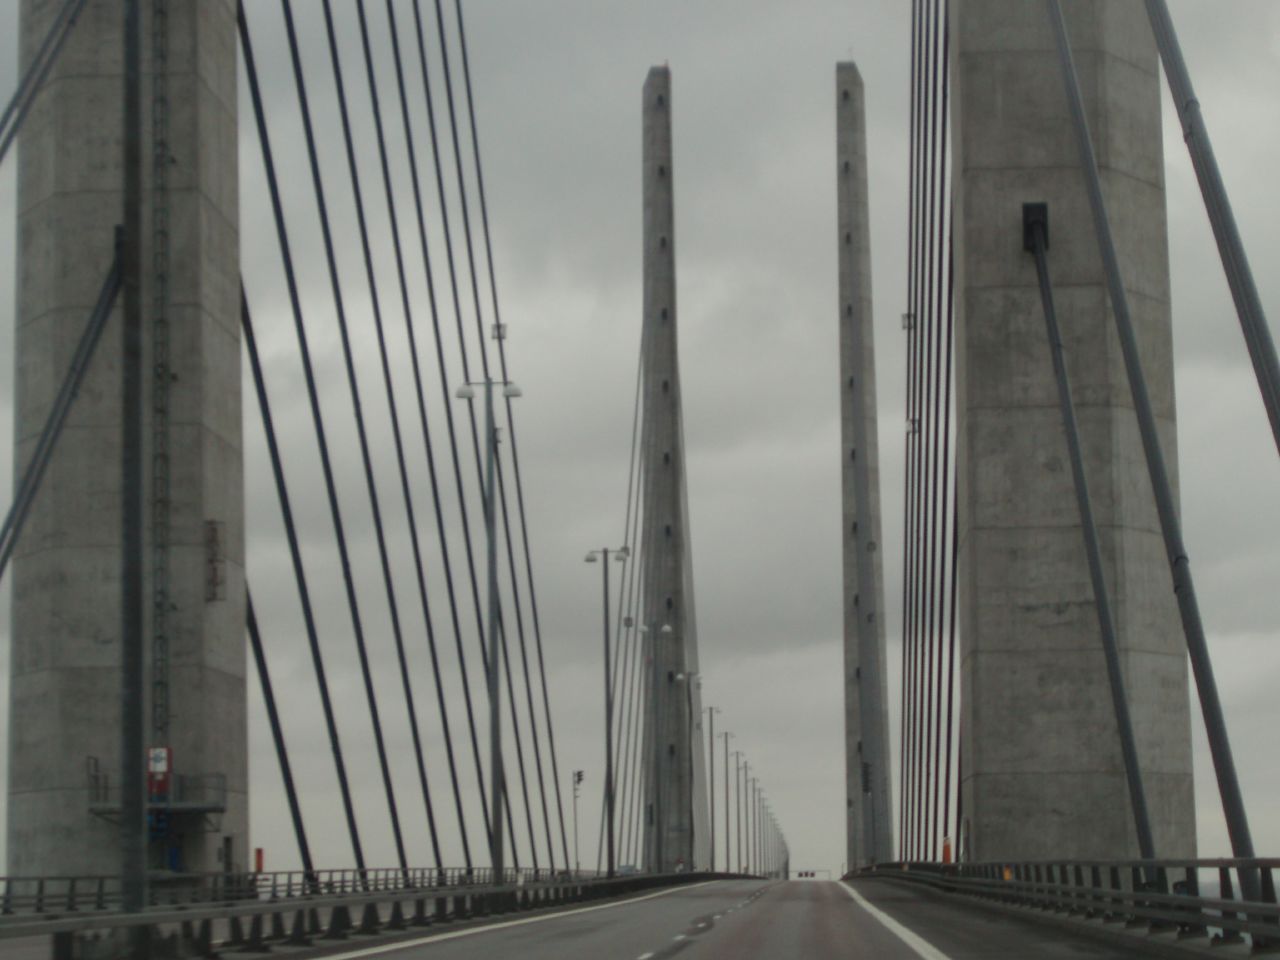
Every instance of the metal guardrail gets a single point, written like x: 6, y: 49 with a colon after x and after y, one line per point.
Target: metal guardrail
x: 27, y: 896
x: 1166, y: 896
x: 254, y: 911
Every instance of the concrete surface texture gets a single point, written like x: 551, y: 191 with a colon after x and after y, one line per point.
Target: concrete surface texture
x: 66, y: 619
x: 869, y: 824
x: 669, y: 840
x: 1042, y: 772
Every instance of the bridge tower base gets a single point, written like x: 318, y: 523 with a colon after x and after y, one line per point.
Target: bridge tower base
x: 64, y: 736
x: 1042, y: 774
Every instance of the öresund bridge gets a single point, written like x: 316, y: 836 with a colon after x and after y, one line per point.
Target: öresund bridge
x: 1032, y: 793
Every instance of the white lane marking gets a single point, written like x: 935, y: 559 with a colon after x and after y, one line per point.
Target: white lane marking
x: 917, y: 943
x: 472, y: 931
x: 644, y: 956
x: 678, y: 936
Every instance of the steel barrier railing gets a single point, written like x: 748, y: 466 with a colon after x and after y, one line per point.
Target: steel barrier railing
x: 1190, y: 898
x: 25, y: 896
x: 298, y: 909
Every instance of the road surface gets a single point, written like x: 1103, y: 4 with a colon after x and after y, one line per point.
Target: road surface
x: 751, y: 920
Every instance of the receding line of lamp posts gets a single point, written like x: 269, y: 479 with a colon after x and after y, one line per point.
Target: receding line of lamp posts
x: 621, y: 554
x: 498, y: 786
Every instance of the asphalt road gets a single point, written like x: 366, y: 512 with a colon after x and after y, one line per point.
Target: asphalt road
x: 750, y: 920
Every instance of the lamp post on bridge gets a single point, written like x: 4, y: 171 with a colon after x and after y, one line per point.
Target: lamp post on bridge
x: 498, y: 786
x: 740, y: 778
x: 711, y: 785
x: 621, y: 553
x: 577, y: 782
x: 728, y: 849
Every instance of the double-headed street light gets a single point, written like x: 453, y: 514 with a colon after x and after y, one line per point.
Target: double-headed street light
x: 496, y: 794
x: 622, y: 553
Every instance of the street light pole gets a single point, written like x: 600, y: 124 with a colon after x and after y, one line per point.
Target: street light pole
x: 711, y: 785
x: 741, y: 777
x: 497, y: 777
x: 577, y: 782
x: 728, y: 867
x: 611, y: 866
x: 495, y: 712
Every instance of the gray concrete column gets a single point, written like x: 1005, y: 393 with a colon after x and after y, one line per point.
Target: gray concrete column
x: 669, y: 829
x: 66, y: 577
x: 868, y: 826
x: 1042, y: 773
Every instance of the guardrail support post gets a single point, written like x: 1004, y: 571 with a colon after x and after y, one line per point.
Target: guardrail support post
x: 370, y: 922
x: 298, y: 934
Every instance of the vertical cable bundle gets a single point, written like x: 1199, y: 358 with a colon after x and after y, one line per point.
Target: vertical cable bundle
x: 929, y: 569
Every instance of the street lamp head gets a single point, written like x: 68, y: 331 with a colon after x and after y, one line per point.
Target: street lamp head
x: 590, y: 557
x: 465, y: 392
x: 623, y: 553
x: 511, y: 391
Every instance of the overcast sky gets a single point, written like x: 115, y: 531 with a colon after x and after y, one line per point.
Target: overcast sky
x: 557, y: 85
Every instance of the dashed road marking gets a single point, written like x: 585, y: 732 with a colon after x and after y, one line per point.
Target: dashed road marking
x: 472, y: 931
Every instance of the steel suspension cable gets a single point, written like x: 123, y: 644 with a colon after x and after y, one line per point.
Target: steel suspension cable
x: 511, y: 425
x: 942, y: 418
x: 321, y: 437
x: 405, y: 487
x: 29, y: 86
x: 955, y: 555
x: 277, y: 737
x: 446, y: 408
x: 937, y: 217
x: 464, y: 209
x: 620, y: 645
x: 29, y: 483
x: 366, y: 460
x: 904, y: 751
x: 927, y: 553
x: 466, y: 369
x: 299, y: 573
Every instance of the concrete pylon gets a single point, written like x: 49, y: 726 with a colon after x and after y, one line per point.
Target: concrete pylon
x: 868, y: 825
x: 666, y: 600
x: 64, y: 727
x: 1042, y: 772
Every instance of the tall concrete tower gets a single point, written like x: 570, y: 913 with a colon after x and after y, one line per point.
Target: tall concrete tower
x: 64, y: 727
x: 868, y: 824
x: 1042, y: 771
x: 667, y: 606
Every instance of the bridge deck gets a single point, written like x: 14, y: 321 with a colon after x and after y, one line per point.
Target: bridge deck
x: 742, y: 920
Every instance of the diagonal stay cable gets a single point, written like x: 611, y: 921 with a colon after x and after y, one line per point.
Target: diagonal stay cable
x: 405, y: 486
x: 511, y: 426
x: 370, y: 485
x: 366, y: 459
x: 299, y: 573
x: 277, y: 736
x: 23, y: 98
x: 420, y: 398
x: 466, y: 369
x: 464, y: 209
x: 622, y: 639
x: 321, y: 438
x: 29, y: 484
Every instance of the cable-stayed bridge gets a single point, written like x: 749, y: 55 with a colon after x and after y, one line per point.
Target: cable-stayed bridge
x: 1044, y: 743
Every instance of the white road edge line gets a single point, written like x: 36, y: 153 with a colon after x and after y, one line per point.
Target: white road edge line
x: 472, y: 931
x: 917, y: 943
